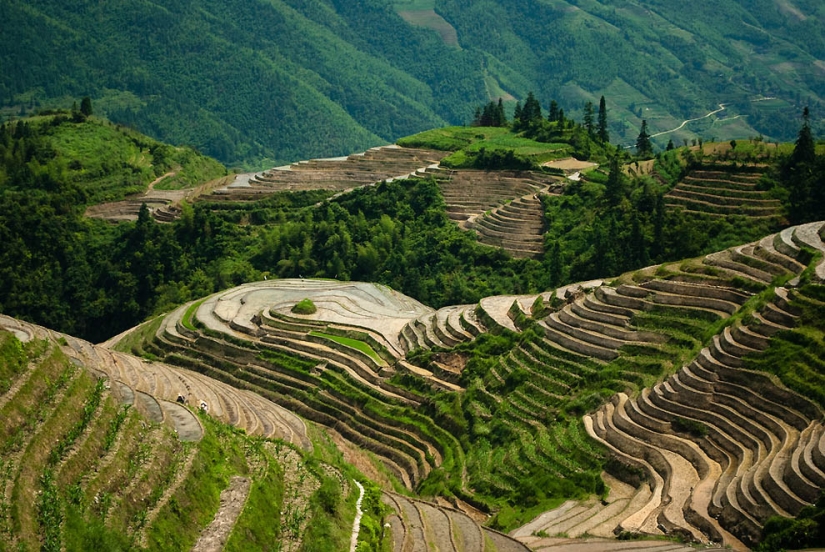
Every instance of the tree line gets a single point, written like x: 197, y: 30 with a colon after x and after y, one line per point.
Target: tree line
x: 529, y: 116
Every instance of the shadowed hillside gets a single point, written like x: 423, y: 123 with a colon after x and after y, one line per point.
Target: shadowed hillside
x: 259, y: 83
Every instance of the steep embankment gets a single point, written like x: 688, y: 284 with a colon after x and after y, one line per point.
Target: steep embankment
x: 721, y: 447
x: 97, y: 454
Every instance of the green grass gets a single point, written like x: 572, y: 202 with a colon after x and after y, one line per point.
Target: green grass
x: 219, y: 456
x: 187, y: 319
x: 353, y: 343
x: 795, y: 356
x: 466, y: 142
x: 134, y: 341
x: 13, y: 360
x: 259, y: 524
x: 304, y: 306
x: 110, y: 162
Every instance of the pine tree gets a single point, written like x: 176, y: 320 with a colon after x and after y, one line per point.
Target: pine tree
x: 588, y: 118
x: 603, y: 134
x: 517, y: 114
x: 805, y: 149
x: 487, y: 115
x: 531, y: 110
x: 670, y: 145
x: 561, y: 119
x: 801, y: 177
x: 644, y: 148
x: 477, y: 117
x: 501, y: 117
x: 614, y: 191
x: 553, y: 115
x: 86, y: 106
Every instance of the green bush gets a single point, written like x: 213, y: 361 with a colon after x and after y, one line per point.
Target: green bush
x: 304, y: 306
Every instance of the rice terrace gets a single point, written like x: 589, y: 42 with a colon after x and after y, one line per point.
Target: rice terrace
x: 390, y: 276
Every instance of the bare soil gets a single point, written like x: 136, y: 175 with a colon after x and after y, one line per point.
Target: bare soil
x: 570, y: 164
x: 233, y: 498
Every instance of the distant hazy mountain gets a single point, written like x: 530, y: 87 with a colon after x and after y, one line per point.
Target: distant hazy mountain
x: 259, y: 81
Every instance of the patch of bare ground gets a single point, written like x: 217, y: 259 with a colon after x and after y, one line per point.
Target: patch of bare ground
x: 431, y: 20
x: 570, y: 164
x: 233, y: 498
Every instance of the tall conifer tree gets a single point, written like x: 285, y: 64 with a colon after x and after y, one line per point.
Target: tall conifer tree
x: 588, y: 119
x: 644, y: 147
x: 603, y: 134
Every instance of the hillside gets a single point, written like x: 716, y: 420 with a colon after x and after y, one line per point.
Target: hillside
x: 263, y: 83
x: 486, y: 331
x: 105, y: 451
x: 485, y: 414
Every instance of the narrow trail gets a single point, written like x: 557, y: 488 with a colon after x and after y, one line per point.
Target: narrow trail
x: 356, y: 525
x: 686, y: 121
x: 158, y: 179
x: 722, y: 107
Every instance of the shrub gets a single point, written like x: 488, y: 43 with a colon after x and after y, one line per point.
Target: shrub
x: 304, y: 306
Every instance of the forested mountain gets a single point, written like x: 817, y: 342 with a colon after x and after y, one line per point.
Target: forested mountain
x: 258, y: 82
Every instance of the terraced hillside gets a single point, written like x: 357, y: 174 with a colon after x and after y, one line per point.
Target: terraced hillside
x: 722, y: 447
x: 163, y: 389
x: 337, y: 174
x: 115, y: 463
x: 164, y: 205
x: 93, y: 455
x: 501, y: 206
x: 721, y: 193
x: 517, y: 226
x: 470, y: 193
x: 333, y: 367
x: 422, y: 525
x: 573, y: 350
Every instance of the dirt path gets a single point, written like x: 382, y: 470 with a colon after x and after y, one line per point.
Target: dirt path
x: 233, y: 499
x: 356, y: 525
x: 686, y: 121
x: 722, y: 107
x: 158, y: 179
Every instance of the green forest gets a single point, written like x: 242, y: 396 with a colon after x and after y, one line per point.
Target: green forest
x: 259, y: 83
x: 94, y: 279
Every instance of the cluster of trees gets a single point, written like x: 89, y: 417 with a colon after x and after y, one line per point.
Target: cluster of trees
x: 93, y: 279
x: 611, y: 223
x: 529, y: 116
x: 491, y: 115
x: 589, y: 139
x: 803, y: 175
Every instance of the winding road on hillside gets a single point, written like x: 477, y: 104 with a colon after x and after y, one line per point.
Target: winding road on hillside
x: 686, y: 121
x: 722, y: 107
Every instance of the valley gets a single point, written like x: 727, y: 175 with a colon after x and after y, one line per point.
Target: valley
x: 512, y: 337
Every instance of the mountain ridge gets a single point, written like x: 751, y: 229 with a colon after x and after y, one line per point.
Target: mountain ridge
x: 260, y: 83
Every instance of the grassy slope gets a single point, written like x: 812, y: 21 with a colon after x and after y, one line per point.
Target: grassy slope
x: 109, y: 162
x: 651, y: 60
x: 100, y: 468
